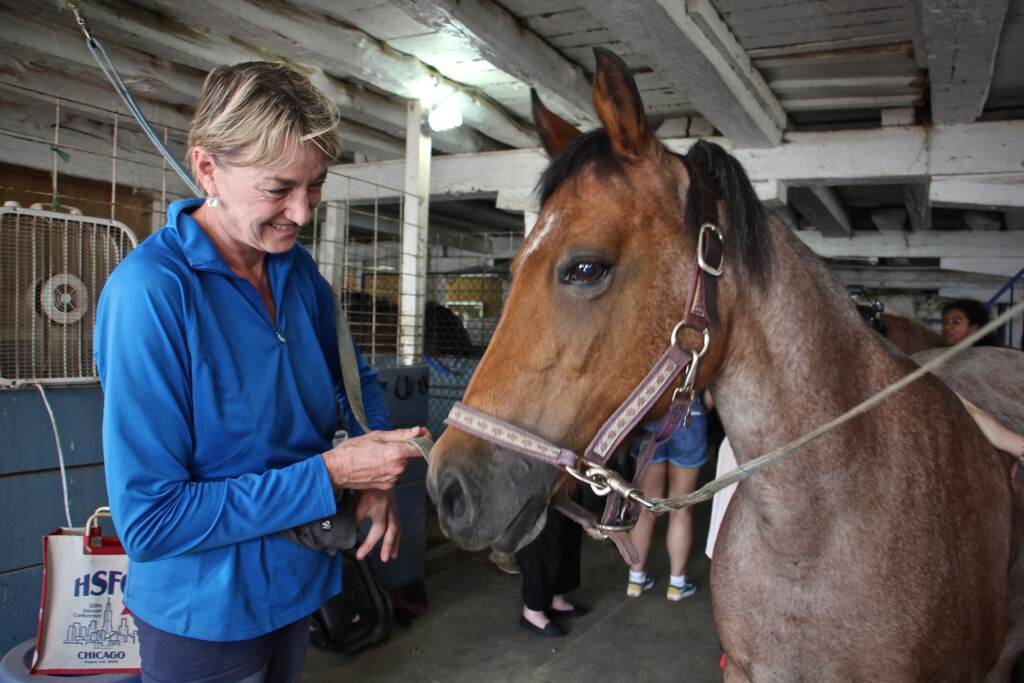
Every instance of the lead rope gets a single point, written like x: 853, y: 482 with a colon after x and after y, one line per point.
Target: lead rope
x: 660, y: 506
x: 107, y: 67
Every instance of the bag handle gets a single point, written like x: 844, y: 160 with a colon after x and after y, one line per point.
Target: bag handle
x: 93, y: 540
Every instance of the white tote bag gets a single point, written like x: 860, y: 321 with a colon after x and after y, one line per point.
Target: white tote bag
x: 84, y: 626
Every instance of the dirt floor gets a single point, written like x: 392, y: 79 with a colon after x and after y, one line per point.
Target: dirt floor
x: 470, y: 632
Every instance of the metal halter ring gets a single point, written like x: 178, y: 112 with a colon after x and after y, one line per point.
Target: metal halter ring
x: 707, y: 338
x: 704, y: 265
x: 599, y: 489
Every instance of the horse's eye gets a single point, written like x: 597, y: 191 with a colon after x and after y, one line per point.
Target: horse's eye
x: 586, y: 272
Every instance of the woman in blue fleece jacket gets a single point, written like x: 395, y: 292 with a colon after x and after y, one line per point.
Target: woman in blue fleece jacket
x: 217, y: 351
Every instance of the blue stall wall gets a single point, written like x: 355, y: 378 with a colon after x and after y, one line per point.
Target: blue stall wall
x: 31, y: 502
x: 406, y: 391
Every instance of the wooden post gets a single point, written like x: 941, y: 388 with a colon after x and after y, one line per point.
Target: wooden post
x: 416, y: 205
x: 331, y: 249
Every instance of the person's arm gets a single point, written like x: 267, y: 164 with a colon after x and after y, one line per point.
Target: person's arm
x: 145, y: 365
x: 998, y: 435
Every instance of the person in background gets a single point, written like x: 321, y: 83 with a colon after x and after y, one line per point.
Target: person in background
x: 963, y: 317
x: 218, y: 356
x: 550, y: 568
x: 673, y: 468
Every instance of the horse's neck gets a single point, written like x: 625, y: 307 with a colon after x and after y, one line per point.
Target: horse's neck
x: 797, y: 356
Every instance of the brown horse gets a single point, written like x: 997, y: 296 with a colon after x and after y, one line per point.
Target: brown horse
x: 880, y: 552
x: 909, y: 335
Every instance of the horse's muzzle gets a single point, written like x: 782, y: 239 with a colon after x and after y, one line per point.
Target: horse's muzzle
x: 486, y: 496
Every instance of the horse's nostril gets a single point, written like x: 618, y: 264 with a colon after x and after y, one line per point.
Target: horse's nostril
x: 453, y: 499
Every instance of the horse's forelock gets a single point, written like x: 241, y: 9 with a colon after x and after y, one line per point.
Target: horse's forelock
x: 590, y: 150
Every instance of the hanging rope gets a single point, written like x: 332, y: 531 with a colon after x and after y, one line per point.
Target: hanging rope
x: 107, y: 67
x: 60, y: 455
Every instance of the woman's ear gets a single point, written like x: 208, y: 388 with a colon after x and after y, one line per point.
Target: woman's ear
x: 204, y: 166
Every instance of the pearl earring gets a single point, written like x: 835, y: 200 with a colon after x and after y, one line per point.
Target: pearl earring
x: 213, y: 202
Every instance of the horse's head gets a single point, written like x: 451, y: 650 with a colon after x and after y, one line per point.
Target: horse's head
x: 596, y: 290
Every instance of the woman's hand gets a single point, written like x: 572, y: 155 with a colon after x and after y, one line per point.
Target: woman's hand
x: 381, y: 508
x: 372, y: 461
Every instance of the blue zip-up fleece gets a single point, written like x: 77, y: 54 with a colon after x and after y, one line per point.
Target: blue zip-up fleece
x: 213, y: 422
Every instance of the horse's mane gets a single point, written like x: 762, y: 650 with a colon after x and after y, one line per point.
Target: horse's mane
x: 748, y: 225
x: 729, y: 183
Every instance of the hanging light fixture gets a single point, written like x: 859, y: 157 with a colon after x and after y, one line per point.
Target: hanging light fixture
x: 434, y: 95
x: 444, y: 117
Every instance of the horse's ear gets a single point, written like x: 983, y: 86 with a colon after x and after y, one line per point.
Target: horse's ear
x: 555, y: 132
x: 618, y: 105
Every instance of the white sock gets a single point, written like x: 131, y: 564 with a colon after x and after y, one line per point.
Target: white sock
x: 637, y: 577
x: 677, y: 581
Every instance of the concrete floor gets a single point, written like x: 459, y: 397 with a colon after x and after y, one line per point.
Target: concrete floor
x: 470, y: 632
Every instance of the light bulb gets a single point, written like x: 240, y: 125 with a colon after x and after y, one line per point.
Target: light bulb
x: 444, y: 117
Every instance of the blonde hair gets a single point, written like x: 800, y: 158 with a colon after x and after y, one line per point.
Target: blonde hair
x: 258, y: 113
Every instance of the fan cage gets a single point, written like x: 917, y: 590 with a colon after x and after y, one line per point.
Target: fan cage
x: 52, y: 269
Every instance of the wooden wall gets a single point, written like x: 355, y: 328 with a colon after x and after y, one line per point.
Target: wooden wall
x: 28, y: 186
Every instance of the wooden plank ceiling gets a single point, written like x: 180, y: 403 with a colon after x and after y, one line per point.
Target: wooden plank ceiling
x: 751, y: 71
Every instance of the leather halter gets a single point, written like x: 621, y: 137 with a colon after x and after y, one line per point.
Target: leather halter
x: 622, y: 508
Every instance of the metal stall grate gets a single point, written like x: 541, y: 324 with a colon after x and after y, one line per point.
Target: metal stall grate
x: 466, y: 290
x: 357, y: 245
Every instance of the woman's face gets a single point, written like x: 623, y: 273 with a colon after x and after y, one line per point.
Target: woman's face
x: 955, y: 326
x: 262, y: 208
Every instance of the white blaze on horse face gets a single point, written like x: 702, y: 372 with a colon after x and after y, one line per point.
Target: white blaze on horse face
x: 537, y: 235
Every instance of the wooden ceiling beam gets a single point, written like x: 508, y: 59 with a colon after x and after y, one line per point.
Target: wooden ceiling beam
x: 928, y: 244
x: 979, y: 293
x: 858, y: 102
x: 314, y: 39
x: 889, y: 218
x: 900, y: 278
x: 23, y: 36
x: 122, y: 23
x: 919, y: 208
x: 26, y: 129
x: 42, y: 85
x: 95, y: 102
x: 822, y: 207
x: 992, y: 192
x: 855, y: 157
x: 489, y: 30
x: 993, y: 265
x: 690, y: 44
x: 958, y: 41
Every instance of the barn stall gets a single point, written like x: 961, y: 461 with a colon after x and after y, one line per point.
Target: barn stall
x: 887, y: 135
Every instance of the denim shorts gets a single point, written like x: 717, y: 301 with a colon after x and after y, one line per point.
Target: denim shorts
x: 687, y: 447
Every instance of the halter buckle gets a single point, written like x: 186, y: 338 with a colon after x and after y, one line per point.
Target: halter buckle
x: 704, y: 265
